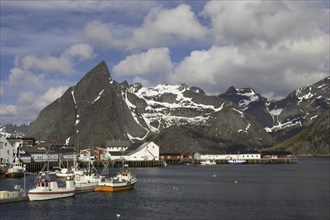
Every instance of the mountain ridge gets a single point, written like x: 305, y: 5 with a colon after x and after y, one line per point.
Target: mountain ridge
x: 176, y: 117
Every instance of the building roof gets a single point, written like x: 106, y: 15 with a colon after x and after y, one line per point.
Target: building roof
x: 136, y: 147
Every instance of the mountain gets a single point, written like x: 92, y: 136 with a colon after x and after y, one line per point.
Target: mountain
x: 182, y: 118
x: 177, y: 117
x: 284, y: 118
x: 313, y: 140
x: 11, y: 130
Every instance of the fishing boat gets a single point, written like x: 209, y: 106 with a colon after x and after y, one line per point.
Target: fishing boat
x: 236, y: 161
x: 89, y: 178
x: 208, y: 162
x: 47, y: 188
x: 16, y: 169
x: 124, y: 180
x: 3, y: 168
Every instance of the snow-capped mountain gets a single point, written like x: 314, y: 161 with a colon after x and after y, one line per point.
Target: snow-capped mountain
x: 286, y: 117
x: 174, y: 116
x: 179, y: 118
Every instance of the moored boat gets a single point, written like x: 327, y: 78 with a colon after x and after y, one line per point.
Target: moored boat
x: 88, y: 178
x: 124, y: 180
x: 208, y: 162
x: 47, y: 188
x: 236, y: 161
x: 16, y: 169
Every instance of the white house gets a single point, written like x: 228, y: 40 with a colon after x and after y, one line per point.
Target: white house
x: 6, y: 151
x: 146, y: 151
x: 135, y: 152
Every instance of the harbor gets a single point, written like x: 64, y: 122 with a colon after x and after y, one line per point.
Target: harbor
x: 194, y: 192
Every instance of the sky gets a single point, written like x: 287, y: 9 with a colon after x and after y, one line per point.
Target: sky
x: 46, y: 47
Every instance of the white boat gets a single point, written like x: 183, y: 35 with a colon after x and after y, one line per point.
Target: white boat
x: 88, y: 178
x: 16, y: 169
x: 47, y: 188
x: 124, y: 180
x: 68, y: 172
x: 236, y: 161
x: 208, y: 162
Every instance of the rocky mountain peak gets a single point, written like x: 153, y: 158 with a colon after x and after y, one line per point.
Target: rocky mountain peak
x: 98, y: 108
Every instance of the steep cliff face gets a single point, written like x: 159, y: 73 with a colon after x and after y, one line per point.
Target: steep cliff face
x: 89, y: 113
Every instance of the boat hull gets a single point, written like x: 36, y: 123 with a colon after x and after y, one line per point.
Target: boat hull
x: 236, y: 162
x: 108, y: 188
x: 39, y: 196
x: 14, y: 174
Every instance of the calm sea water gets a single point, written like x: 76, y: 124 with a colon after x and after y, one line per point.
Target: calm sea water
x: 280, y: 191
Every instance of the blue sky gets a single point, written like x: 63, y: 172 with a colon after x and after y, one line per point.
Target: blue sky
x: 274, y: 47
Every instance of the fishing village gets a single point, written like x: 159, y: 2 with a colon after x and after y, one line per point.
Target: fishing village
x: 81, y: 168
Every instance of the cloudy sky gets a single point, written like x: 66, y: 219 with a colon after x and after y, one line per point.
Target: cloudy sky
x: 47, y: 46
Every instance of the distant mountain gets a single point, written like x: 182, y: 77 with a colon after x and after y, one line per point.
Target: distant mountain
x: 176, y: 117
x: 182, y: 118
x: 11, y: 130
x: 287, y: 117
x: 312, y: 141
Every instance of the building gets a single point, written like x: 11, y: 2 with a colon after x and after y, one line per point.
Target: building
x: 276, y: 154
x: 146, y: 151
x: 171, y: 157
x: 243, y: 155
x: 30, y: 155
x: 100, y: 153
x: 6, y: 151
x: 119, y: 150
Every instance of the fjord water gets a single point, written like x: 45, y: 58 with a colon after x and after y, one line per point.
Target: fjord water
x: 272, y: 191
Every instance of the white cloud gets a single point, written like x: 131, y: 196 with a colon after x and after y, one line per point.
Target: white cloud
x: 143, y: 81
x: 28, y: 105
x: 161, y: 27
x: 278, y: 70
x: 155, y: 60
x: 168, y: 26
x: 264, y: 21
x: 57, y: 64
x: 19, y: 77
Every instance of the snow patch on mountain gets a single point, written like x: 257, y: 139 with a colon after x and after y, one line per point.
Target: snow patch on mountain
x: 98, y: 97
x: 163, y: 104
x: 249, y: 96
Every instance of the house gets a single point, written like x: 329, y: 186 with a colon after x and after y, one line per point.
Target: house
x: 16, y: 143
x: 188, y: 156
x: 171, y: 157
x: 29, y: 155
x: 117, y: 150
x: 146, y: 151
x: 276, y: 154
x: 29, y: 141
x: 6, y: 151
x: 100, y: 153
